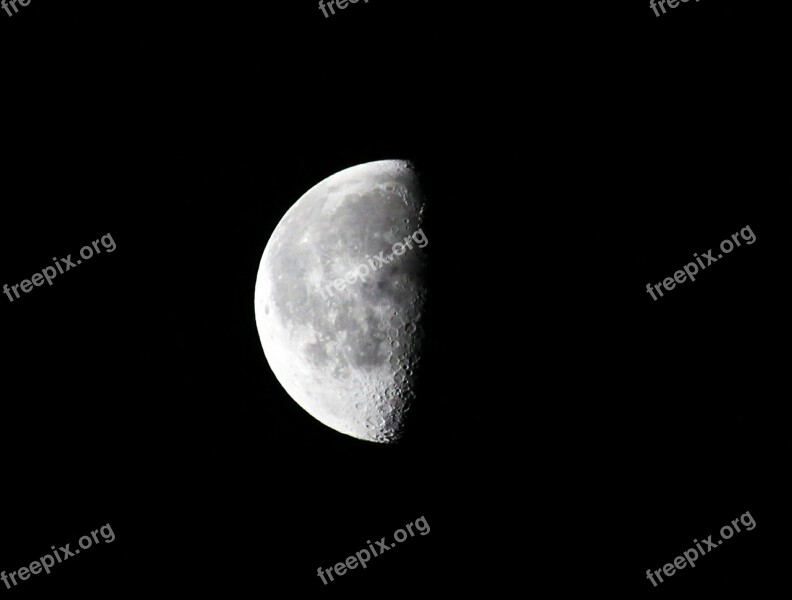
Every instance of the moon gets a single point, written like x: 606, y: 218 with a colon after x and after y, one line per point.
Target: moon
x: 343, y: 343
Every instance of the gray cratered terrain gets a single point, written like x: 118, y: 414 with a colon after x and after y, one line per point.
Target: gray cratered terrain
x: 347, y: 356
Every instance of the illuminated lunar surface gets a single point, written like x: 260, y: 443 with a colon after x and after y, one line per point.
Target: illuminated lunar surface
x: 348, y: 357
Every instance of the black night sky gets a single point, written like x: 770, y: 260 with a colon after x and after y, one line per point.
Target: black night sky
x: 570, y: 431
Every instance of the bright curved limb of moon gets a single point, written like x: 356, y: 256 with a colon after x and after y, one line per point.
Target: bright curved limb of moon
x: 348, y: 356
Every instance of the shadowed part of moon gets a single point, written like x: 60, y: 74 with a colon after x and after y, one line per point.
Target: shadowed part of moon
x: 348, y: 357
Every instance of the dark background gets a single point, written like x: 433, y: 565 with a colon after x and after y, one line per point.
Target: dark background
x: 571, y: 432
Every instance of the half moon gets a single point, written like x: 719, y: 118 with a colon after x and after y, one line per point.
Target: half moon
x: 343, y: 343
